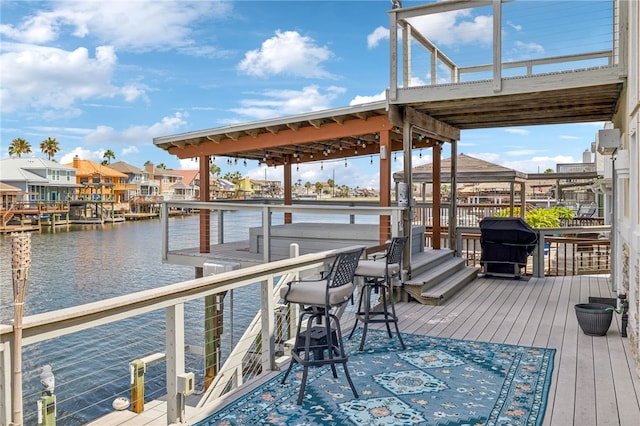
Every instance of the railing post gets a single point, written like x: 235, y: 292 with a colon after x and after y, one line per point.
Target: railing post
x: 538, y: 256
x: 268, y: 307
x: 136, y: 370
x: 47, y: 410
x: 164, y: 221
x: 266, y: 233
x: 174, y: 341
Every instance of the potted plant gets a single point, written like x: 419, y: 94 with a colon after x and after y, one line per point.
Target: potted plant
x: 595, y: 318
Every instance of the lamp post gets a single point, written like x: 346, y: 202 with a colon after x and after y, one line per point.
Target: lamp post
x: 20, y: 266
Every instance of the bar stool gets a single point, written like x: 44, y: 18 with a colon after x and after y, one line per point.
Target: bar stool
x: 378, y: 275
x: 321, y: 344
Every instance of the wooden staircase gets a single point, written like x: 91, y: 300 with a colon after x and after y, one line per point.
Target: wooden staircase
x: 436, y: 275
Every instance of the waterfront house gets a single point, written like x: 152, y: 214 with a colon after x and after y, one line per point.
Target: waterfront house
x: 164, y: 179
x: 44, y: 180
x: 98, y: 182
x: 138, y: 182
x: 187, y: 188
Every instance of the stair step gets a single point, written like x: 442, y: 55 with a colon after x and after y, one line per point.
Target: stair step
x: 452, y: 284
x: 428, y: 259
x: 439, y: 293
x: 437, y: 274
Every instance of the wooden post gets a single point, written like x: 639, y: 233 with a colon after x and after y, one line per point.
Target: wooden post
x: 136, y: 369
x: 20, y: 266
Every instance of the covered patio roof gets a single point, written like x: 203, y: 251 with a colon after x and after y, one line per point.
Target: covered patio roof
x: 328, y: 134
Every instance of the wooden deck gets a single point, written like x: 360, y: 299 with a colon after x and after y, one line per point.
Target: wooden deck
x: 594, y: 378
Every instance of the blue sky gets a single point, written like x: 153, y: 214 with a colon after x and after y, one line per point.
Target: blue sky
x: 98, y: 75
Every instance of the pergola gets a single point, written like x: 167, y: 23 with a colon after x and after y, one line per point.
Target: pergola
x: 368, y: 129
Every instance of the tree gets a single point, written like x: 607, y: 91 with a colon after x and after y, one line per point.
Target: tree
x: 307, y: 186
x: 548, y: 171
x: 108, y: 156
x: 19, y: 146
x: 161, y: 166
x: 49, y: 147
x: 234, y: 177
x: 215, y: 169
x: 332, y: 185
x: 319, y: 187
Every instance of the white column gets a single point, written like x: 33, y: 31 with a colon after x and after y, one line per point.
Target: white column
x: 175, y: 358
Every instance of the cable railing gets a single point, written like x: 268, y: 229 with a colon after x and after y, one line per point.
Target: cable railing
x: 91, y: 346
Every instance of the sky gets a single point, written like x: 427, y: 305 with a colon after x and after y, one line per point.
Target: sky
x: 112, y: 75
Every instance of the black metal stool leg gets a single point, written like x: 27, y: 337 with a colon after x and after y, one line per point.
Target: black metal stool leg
x: 342, y: 354
x: 358, y: 312
x: 366, y: 316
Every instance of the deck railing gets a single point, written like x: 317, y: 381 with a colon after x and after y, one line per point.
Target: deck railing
x: 183, y: 242
x: 171, y: 306
x: 418, y: 55
x: 560, y: 251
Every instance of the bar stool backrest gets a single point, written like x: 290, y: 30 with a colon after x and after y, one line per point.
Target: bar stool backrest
x: 344, y: 268
x: 396, y: 250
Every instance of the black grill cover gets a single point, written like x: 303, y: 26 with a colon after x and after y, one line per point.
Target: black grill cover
x: 507, y: 240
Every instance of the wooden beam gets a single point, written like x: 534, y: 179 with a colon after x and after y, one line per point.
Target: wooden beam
x: 284, y: 137
x: 440, y: 130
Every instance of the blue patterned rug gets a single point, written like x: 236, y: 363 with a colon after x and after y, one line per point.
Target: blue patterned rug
x: 435, y: 381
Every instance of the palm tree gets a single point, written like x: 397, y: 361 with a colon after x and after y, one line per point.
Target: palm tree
x: 307, y: 186
x: 161, y: 166
x: 19, y: 146
x: 215, y: 169
x: 108, y: 156
x: 49, y: 147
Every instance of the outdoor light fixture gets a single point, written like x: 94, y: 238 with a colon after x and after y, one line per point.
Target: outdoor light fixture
x: 383, y: 152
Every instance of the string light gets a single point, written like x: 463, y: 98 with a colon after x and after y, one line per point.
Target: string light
x: 371, y: 161
x: 345, y: 161
x: 420, y: 153
x: 321, y: 165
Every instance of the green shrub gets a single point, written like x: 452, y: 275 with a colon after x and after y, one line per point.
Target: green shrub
x: 552, y: 217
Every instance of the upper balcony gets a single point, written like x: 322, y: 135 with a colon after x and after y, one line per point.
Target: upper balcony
x: 553, y: 70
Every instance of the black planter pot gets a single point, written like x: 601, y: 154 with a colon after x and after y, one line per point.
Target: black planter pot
x: 594, y: 318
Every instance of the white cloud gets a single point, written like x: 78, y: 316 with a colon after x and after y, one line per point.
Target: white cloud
x: 569, y: 137
x: 519, y: 152
x: 135, y: 135
x: 450, y: 28
x: 538, y: 164
x: 129, y: 150
x: 287, y: 53
x: 48, y: 78
x: 445, y: 29
x: 367, y: 99
x: 379, y: 34
x: 522, y: 50
x: 277, y: 103
x: 83, y: 154
x: 515, y: 131
x: 137, y: 25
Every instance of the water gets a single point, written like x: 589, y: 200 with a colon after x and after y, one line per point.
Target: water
x: 80, y: 264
